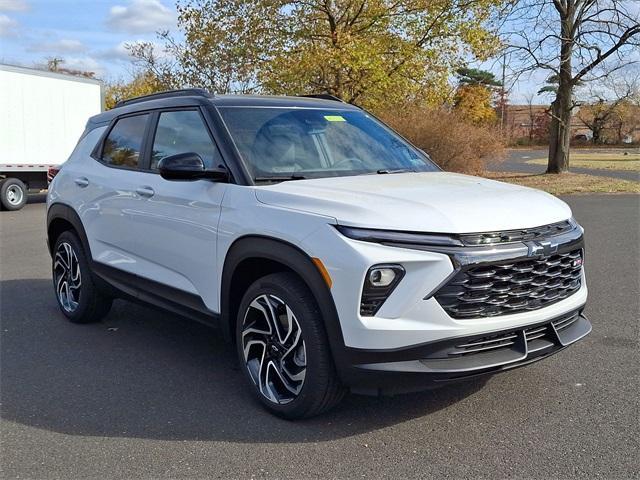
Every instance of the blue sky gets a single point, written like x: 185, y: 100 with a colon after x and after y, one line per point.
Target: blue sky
x: 89, y: 35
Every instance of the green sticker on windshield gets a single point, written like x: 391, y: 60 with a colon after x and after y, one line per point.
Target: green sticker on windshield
x: 334, y: 118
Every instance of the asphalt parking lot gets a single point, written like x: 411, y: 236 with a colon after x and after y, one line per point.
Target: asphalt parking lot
x: 145, y: 394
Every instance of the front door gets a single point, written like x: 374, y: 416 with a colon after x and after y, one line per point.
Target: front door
x: 175, y: 226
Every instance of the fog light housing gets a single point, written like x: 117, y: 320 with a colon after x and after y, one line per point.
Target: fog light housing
x: 381, y: 276
x: 379, y: 283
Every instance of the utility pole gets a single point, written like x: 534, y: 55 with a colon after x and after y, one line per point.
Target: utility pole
x: 502, y: 93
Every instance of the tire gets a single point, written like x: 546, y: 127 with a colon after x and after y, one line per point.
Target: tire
x: 289, y: 348
x: 13, y: 194
x: 78, y: 297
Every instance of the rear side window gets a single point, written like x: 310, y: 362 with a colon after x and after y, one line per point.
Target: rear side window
x: 87, y: 143
x: 123, y: 144
x: 181, y: 132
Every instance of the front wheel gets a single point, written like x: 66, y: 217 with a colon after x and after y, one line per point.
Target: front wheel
x: 284, y: 350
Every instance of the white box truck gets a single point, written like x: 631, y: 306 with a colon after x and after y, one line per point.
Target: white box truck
x: 42, y: 115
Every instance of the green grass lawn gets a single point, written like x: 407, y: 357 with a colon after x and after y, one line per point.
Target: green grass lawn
x: 600, y: 161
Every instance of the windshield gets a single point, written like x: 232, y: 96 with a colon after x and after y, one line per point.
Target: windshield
x: 293, y: 143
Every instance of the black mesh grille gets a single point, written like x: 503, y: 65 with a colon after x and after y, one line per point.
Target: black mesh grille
x: 499, y: 289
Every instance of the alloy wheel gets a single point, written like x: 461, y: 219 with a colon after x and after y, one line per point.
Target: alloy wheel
x: 68, y: 281
x: 274, y: 349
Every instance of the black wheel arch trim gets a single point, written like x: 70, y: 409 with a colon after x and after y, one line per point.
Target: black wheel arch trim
x: 298, y: 261
x: 67, y: 213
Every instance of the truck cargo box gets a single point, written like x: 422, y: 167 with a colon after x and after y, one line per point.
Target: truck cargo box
x: 42, y: 115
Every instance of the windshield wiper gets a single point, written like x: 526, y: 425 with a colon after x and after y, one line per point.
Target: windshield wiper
x: 278, y: 178
x: 399, y: 170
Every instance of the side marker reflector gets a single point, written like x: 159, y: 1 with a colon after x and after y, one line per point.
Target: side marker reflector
x: 323, y: 271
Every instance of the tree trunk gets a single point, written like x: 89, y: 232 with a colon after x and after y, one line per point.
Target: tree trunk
x: 560, y: 133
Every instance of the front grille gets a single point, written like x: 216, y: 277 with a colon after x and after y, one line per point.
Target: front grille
x: 537, y: 338
x: 521, y: 235
x: 487, y: 290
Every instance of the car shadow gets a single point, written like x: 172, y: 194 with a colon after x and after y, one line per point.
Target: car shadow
x: 148, y: 374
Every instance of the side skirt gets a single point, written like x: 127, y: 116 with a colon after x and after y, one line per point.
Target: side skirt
x: 149, y: 292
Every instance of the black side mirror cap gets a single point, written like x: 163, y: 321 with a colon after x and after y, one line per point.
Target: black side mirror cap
x: 190, y: 166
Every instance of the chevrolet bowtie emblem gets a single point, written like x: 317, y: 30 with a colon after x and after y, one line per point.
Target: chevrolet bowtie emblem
x: 542, y: 248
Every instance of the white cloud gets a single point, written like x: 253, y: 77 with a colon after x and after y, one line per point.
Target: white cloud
x: 140, y: 16
x: 58, y: 46
x: 7, y: 26
x: 119, y: 52
x: 13, y: 6
x: 120, y: 55
x: 84, y: 63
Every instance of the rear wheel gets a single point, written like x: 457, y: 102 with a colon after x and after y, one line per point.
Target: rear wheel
x: 284, y: 349
x: 13, y: 194
x: 77, y: 295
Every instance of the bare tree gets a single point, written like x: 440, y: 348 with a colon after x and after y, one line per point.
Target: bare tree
x: 54, y: 64
x: 532, y: 114
x: 605, y: 109
x: 576, y: 41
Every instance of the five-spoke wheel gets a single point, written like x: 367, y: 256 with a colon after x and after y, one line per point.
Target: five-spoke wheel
x: 67, y: 277
x: 283, y: 347
x: 274, y: 349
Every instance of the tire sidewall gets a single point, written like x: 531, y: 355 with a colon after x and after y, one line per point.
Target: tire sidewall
x: 307, y: 314
x: 4, y: 185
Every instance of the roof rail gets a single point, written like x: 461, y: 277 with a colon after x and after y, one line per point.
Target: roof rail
x: 183, y: 92
x: 324, y: 96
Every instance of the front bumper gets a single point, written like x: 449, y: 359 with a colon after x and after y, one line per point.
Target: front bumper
x: 428, y: 365
x: 412, y: 315
x: 412, y: 343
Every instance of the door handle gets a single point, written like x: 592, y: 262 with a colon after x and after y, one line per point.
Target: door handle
x: 81, y: 181
x: 145, y: 191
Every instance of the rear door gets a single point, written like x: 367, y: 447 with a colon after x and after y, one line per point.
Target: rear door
x: 174, y: 227
x: 107, y: 189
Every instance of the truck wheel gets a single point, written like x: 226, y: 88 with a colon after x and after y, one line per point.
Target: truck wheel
x: 283, y: 348
x: 77, y: 295
x: 13, y: 194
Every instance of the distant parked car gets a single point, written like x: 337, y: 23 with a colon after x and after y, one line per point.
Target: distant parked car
x: 333, y: 252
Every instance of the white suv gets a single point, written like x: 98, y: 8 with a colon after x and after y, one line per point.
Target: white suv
x: 334, y: 253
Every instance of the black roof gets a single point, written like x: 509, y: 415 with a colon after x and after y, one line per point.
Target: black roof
x: 183, y: 98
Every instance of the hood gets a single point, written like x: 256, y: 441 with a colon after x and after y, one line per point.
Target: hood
x: 438, y: 202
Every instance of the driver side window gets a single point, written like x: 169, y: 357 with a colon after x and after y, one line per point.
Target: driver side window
x: 180, y: 132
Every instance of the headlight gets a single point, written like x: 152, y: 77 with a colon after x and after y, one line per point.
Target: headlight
x: 444, y: 242
x: 379, y: 282
x: 389, y: 237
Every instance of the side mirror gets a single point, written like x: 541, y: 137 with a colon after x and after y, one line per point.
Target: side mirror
x: 189, y: 166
